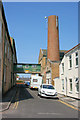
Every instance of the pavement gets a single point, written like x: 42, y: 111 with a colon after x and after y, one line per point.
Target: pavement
x: 7, y: 99
x: 69, y: 100
x: 9, y: 96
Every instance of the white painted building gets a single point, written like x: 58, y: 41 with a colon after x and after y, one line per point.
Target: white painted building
x: 68, y: 82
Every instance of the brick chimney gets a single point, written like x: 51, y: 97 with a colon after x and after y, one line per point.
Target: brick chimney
x: 53, y: 39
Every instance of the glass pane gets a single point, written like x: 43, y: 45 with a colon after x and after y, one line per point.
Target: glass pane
x: 70, y: 63
x: 77, y: 54
x: 77, y: 87
x: 76, y: 61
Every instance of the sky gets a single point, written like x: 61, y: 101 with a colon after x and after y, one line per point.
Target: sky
x: 27, y: 25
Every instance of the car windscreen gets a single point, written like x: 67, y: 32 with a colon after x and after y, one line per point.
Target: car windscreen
x: 48, y: 87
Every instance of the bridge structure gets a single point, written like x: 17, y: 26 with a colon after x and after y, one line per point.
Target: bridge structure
x: 27, y: 68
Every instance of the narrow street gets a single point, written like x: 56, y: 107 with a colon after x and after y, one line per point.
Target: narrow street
x: 27, y: 104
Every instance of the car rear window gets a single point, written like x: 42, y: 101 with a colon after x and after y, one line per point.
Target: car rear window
x: 35, y: 80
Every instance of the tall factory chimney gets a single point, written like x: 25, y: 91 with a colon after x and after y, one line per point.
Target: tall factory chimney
x: 53, y: 39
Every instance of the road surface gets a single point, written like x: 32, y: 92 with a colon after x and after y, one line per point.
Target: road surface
x: 27, y: 104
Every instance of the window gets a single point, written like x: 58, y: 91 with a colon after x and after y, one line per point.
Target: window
x: 27, y: 66
x: 35, y: 80
x: 70, y: 61
x: 76, y: 57
x: 4, y: 73
x: 63, y: 84
x: 62, y: 67
x: 77, y: 84
x: 19, y: 66
x: 0, y: 30
x: 70, y: 84
x: 6, y: 43
x: 8, y: 51
x: 5, y: 46
x: 34, y: 66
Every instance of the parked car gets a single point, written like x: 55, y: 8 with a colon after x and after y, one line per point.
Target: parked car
x: 47, y: 90
x: 27, y: 83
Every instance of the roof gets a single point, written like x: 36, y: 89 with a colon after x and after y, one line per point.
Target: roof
x: 72, y: 48
x: 45, y: 51
x: 63, y: 51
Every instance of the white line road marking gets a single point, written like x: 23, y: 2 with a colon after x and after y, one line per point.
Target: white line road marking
x: 49, y: 113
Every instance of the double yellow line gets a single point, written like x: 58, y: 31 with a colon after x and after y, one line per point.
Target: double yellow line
x: 15, y: 105
x: 17, y: 102
x: 69, y: 105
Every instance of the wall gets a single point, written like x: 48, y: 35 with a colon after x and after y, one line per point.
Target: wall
x: 6, y: 70
x: 0, y: 54
x: 70, y: 73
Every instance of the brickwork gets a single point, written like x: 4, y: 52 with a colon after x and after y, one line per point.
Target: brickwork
x: 53, y: 39
x: 6, y: 56
x: 7, y: 61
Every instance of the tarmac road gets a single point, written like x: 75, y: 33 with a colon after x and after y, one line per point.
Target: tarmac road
x: 27, y: 104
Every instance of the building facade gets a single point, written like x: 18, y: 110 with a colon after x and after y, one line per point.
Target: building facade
x: 68, y: 82
x: 6, y: 55
x: 47, y: 67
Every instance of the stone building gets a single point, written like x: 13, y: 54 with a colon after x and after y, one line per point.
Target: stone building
x: 6, y: 55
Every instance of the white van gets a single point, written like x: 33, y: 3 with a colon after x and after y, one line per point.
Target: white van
x: 36, y: 81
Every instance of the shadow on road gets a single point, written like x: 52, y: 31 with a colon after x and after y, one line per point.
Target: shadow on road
x: 19, y: 93
x: 22, y: 93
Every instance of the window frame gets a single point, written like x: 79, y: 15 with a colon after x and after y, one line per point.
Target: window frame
x: 70, y: 86
x: 5, y: 70
x: 62, y: 84
x: 76, y: 58
x: 77, y: 91
x: 70, y: 61
x: 62, y: 68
